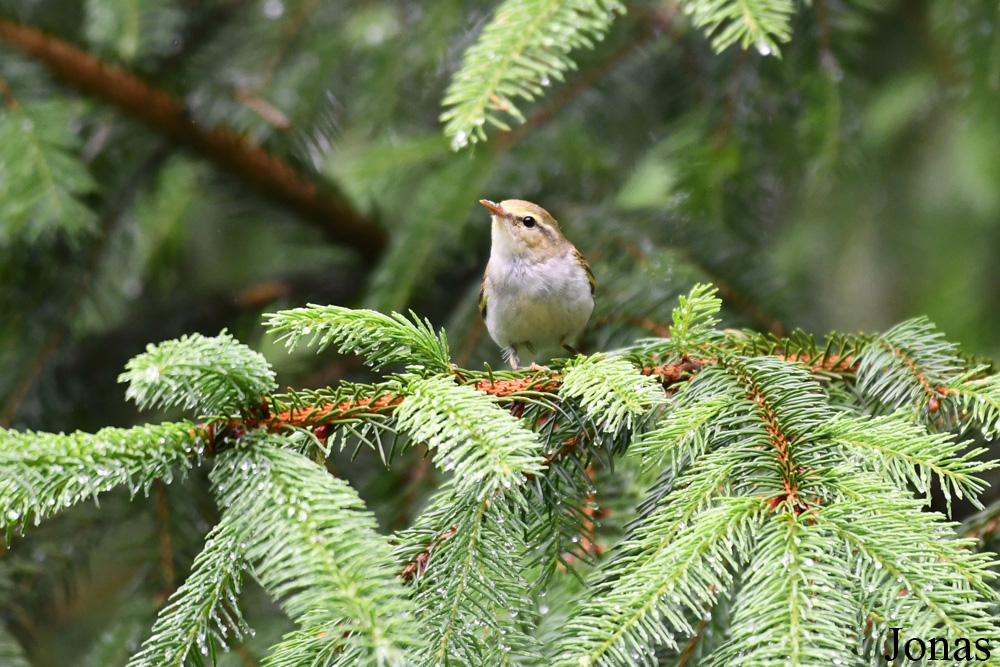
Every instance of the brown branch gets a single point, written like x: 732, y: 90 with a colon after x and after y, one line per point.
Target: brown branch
x: 417, y: 566
x: 912, y: 366
x: 6, y: 96
x: 693, y: 642
x: 729, y: 102
x: 220, y: 436
x: 827, y: 59
x: 782, y: 443
x: 832, y: 363
x: 168, y: 115
x: 324, y: 414
x: 321, y: 415
x: 162, y: 504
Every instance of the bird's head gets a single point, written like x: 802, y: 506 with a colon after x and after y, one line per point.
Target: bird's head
x: 524, y: 230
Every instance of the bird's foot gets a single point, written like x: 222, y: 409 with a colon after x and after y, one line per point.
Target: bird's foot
x: 536, y: 367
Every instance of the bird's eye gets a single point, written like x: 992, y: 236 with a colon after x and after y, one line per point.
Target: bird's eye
x: 528, y: 221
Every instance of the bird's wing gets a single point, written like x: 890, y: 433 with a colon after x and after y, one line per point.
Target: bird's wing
x: 586, y: 268
x: 482, y: 298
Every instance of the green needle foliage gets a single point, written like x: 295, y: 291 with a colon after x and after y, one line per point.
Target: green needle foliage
x: 41, y: 178
x: 611, y: 390
x: 331, y: 572
x: 758, y: 23
x: 485, y: 619
x: 520, y: 50
x: 212, y: 374
x: 527, y: 44
x: 44, y: 473
x: 486, y: 447
x: 772, y: 515
x: 381, y: 339
x: 204, y: 612
x: 10, y: 651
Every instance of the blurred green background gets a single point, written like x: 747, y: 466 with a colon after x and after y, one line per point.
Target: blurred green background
x: 847, y: 185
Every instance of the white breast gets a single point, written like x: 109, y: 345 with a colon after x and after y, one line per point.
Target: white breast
x: 536, y: 305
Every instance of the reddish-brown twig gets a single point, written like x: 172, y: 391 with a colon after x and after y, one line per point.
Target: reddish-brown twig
x: 168, y: 115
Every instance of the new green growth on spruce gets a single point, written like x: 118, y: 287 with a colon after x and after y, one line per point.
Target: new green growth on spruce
x: 772, y: 497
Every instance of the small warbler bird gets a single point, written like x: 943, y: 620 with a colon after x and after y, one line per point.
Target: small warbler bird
x: 538, y: 290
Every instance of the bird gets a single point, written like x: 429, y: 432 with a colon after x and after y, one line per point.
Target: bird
x: 537, y: 290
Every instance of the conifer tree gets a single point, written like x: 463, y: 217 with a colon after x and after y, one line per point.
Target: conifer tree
x: 350, y: 484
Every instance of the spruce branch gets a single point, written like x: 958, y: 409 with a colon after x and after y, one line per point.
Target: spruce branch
x: 41, y: 179
x: 486, y: 447
x: 976, y: 400
x: 382, y: 339
x: 42, y: 473
x: 682, y: 437
x: 168, y: 115
x: 654, y: 24
x: 936, y: 587
x: 903, y: 366
x: 11, y: 653
x: 759, y: 429
x: 611, y: 390
x: 787, y: 409
x: 758, y: 23
x: 418, y: 563
x: 204, y: 611
x: 775, y: 481
x: 213, y: 374
x: 908, y: 454
x: 525, y: 44
x: 835, y: 356
x: 477, y: 571
x: 692, y: 332
x: 647, y: 597
x: 694, y: 319
x: 801, y: 603
x: 316, y: 551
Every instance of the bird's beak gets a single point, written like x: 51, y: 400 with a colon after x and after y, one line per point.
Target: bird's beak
x: 494, y: 207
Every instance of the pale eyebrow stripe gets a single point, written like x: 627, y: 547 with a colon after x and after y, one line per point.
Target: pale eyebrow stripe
x: 538, y: 225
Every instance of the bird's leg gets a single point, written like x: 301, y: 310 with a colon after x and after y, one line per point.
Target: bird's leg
x: 515, y: 361
x: 572, y: 350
